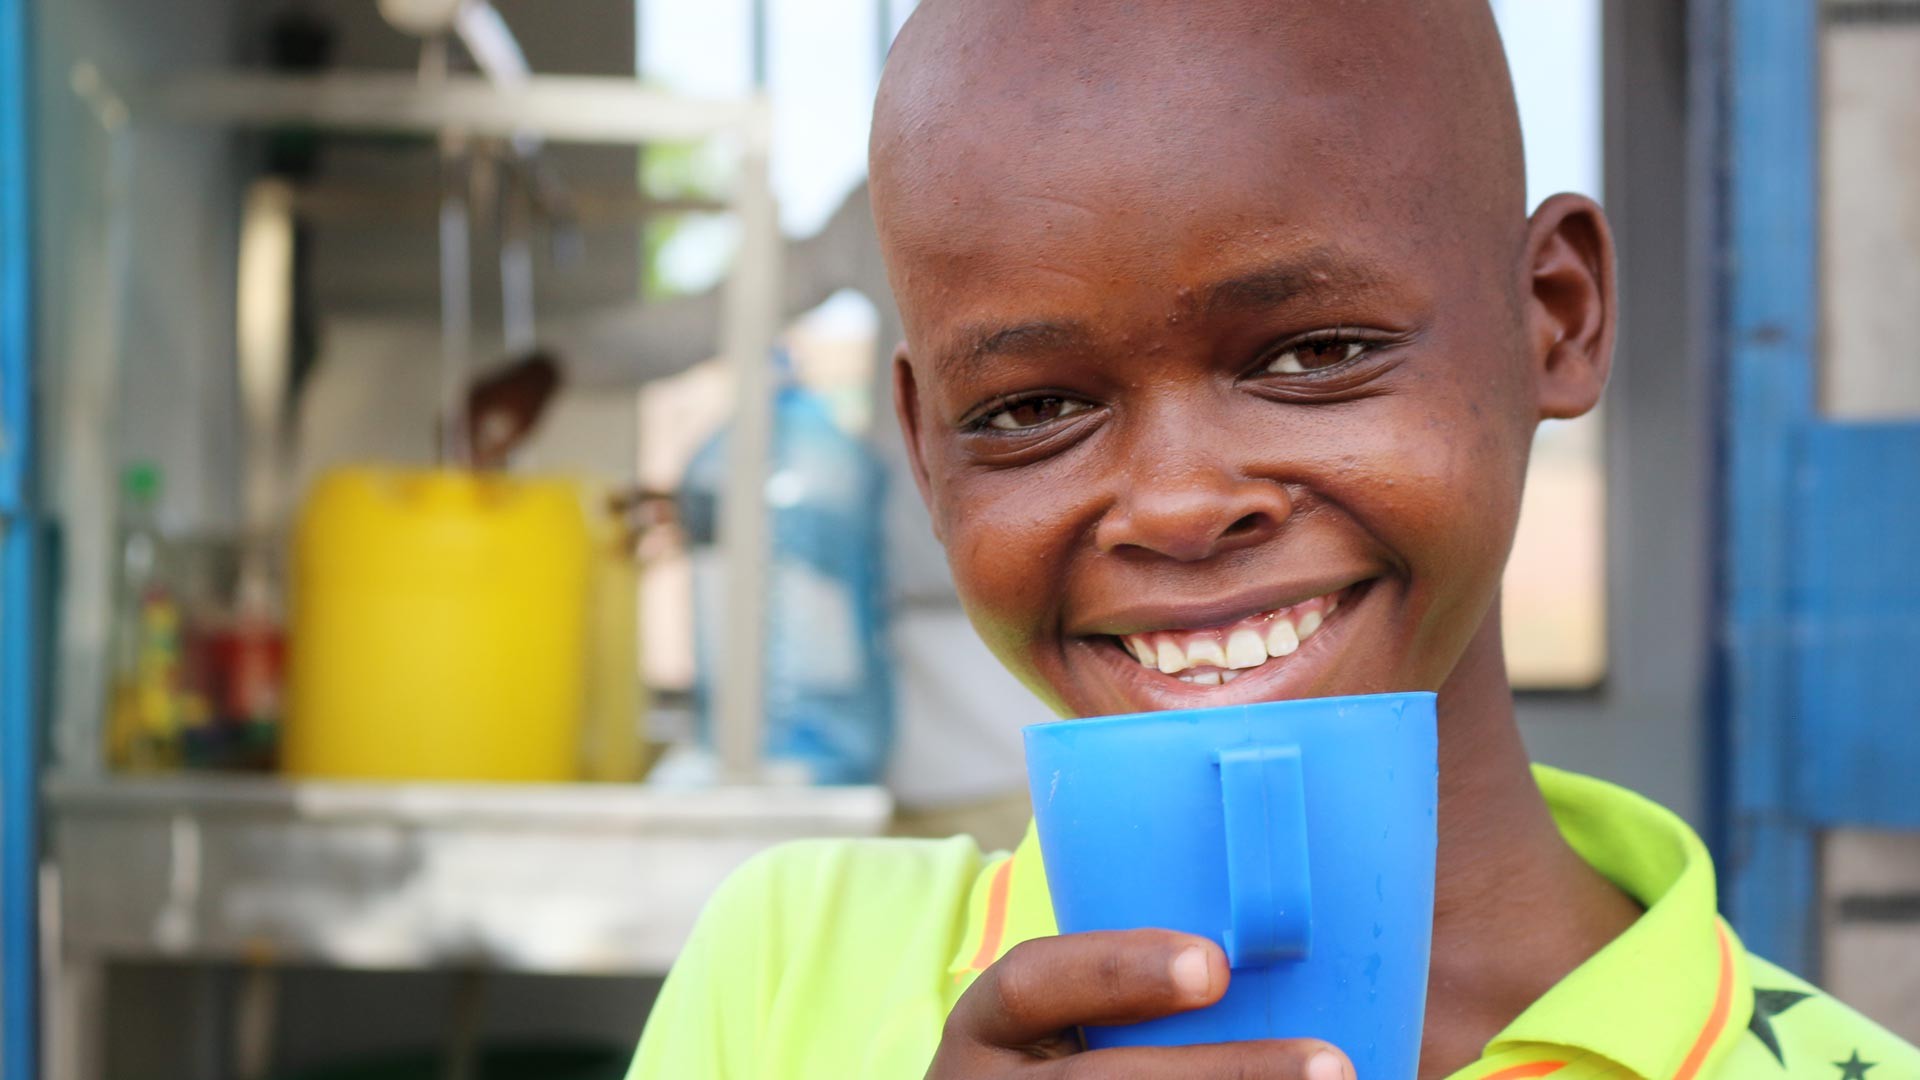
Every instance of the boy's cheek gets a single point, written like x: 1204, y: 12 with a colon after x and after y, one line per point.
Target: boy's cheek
x: 1012, y: 523
x: 1009, y: 637
x: 1008, y: 579
x: 990, y: 576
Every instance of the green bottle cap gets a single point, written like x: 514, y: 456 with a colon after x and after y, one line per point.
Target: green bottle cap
x: 141, y: 481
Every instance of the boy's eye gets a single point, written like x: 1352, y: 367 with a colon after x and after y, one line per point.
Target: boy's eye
x: 1031, y: 413
x: 1310, y: 356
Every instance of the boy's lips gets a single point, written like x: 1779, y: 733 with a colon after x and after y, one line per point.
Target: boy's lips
x: 1144, y: 612
x: 1216, y: 664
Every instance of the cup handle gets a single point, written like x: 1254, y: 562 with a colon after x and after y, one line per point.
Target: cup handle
x: 1268, y: 900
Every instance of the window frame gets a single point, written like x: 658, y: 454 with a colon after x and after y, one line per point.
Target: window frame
x: 1645, y: 724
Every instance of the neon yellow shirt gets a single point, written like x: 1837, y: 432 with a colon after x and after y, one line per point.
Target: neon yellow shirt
x: 841, y: 959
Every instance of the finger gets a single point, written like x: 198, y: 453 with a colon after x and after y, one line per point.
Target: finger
x: 1276, y: 1059
x: 1112, y: 977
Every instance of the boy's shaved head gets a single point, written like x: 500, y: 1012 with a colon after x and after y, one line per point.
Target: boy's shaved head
x: 1057, y: 94
x: 1221, y: 313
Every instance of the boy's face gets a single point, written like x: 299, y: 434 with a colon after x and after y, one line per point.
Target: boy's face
x: 1222, y: 394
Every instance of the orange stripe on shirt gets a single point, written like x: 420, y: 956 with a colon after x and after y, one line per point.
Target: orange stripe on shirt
x: 1717, y: 1019
x: 1527, y: 1071
x: 996, y: 923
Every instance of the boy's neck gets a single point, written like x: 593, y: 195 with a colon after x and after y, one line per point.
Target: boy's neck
x: 1515, y: 909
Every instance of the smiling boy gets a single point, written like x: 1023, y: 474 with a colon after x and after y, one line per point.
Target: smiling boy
x: 1227, y: 332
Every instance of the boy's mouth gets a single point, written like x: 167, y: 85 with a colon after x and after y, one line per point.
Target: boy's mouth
x: 1217, y: 655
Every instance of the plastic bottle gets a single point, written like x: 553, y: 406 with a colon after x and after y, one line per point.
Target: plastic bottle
x: 242, y: 654
x: 149, y: 708
x: 828, y: 686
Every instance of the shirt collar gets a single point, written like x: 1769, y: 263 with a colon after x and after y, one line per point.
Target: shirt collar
x: 1671, y: 994
x: 1667, y: 998
x: 1009, y: 904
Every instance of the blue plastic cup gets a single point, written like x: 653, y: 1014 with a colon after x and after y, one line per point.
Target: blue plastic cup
x: 1297, y: 834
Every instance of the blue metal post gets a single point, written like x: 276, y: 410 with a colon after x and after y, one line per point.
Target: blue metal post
x: 19, y: 580
x: 1770, y: 313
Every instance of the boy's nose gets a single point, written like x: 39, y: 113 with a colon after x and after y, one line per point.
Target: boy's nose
x: 1194, y: 515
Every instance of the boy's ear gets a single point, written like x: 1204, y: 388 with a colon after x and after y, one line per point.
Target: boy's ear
x: 1571, y: 304
x: 906, y: 405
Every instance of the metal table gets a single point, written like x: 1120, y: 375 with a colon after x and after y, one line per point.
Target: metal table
x: 574, y: 879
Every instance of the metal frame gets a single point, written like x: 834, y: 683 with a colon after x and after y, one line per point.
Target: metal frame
x: 20, y: 605
x: 1820, y: 596
x: 1644, y: 725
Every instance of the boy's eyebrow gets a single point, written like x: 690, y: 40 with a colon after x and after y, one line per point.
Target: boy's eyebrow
x: 978, y: 342
x: 1279, y: 282
x: 1264, y: 286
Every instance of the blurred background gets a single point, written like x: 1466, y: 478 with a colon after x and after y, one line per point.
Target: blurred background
x: 451, y: 512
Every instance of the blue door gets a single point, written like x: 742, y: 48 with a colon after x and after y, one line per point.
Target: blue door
x: 19, y: 546
x: 1821, y: 587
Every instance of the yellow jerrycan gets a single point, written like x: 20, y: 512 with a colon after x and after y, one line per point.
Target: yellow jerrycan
x: 438, y: 628
x: 613, y: 742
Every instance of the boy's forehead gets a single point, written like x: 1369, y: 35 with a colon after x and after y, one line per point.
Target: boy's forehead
x: 1008, y: 131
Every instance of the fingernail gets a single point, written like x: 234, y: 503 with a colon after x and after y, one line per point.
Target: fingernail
x: 1190, y: 972
x: 1326, y: 1065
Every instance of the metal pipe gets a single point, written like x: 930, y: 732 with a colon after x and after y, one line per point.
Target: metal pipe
x: 606, y: 110
x: 759, y: 44
x: 88, y: 454
x: 456, y: 317
x: 20, y: 701
x: 456, y: 265
x: 256, y: 1008
x: 750, y: 324
x: 330, y: 203
x: 494, y: 49
x: 517, y: 304
x: 263, y: 314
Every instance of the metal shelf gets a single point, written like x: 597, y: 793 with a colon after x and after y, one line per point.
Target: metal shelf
x: 589, y: 109
x: 577, y: 879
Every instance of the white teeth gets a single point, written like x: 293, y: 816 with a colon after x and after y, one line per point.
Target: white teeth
x: 1171, y: 659
x: 1141, y: 650
x: 1206, y: 652
x: 1245, y: 649
x: 1201, y: 658
x: 1281, y: 640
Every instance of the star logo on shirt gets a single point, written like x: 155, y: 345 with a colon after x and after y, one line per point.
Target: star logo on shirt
x: 1853, y: 1068
x: 1768, y: 1004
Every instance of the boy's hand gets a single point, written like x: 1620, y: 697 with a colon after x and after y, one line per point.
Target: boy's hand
x: 1019, y: 1018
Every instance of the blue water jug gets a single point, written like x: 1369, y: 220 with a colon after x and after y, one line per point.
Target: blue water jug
x: 829, y: 691
x: 1299, y: 835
